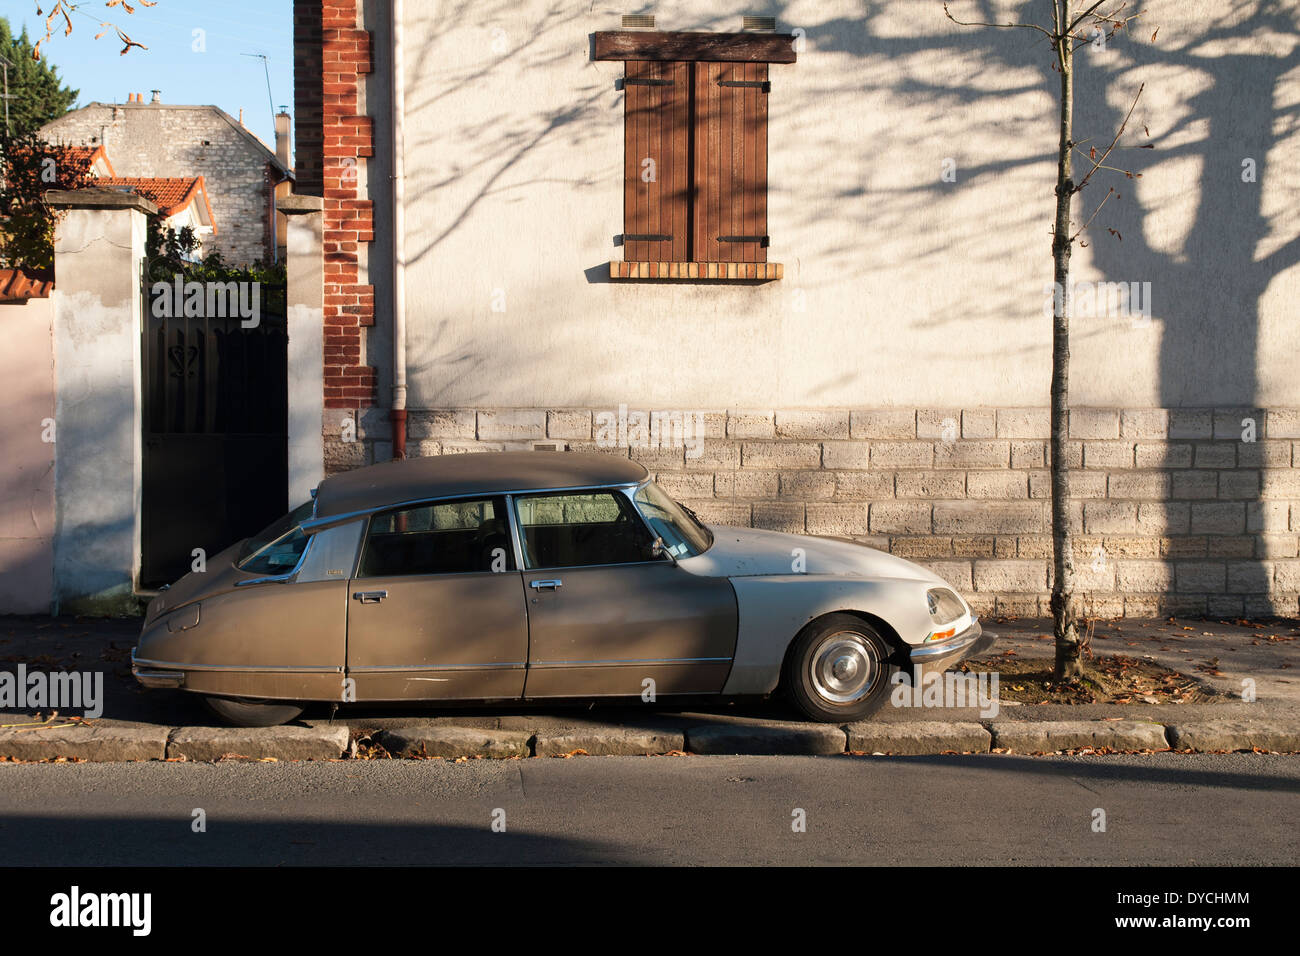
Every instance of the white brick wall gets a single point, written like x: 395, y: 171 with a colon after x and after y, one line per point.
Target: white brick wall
x: 1167, y: 517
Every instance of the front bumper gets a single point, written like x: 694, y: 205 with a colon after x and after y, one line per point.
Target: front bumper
x: 149, y: 676
x: 937, y: 656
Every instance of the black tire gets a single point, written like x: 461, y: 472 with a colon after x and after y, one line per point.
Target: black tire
x: 245, y: 712
x: 838, y: 669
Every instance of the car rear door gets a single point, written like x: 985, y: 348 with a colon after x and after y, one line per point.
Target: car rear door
x: 608, y: 617
x: 436, y: 606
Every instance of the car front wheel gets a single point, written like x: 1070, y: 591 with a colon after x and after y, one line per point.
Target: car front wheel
x: 838, y: 669
x: 246, y: 712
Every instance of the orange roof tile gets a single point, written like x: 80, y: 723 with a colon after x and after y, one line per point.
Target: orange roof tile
x: 18, y: 286
x: 170, y: 195
x: 85, y: 156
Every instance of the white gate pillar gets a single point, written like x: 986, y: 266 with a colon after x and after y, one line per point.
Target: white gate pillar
x: 305, y: 269
x: 99, y: 248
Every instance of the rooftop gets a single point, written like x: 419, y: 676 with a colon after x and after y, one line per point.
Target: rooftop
x: 477, y: 473
x: 18, y: 285
x: 170, y: 194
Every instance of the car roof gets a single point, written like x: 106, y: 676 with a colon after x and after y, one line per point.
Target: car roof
x: 474, y: 473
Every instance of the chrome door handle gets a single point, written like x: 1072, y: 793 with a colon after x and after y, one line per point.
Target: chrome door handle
x: 370, y: 597
x: 546, y: 585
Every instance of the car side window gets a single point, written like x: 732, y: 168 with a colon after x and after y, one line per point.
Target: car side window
x: 444, y: 537
x: 579, y: 529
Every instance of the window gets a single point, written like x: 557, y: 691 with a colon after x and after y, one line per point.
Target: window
x: 568, y: 530
x: 695, y: 152
x: 445, y: 537
x: 683, y: 535
x: 277, y: 548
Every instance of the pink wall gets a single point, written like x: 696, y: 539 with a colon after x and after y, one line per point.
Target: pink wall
x: 26, y: 458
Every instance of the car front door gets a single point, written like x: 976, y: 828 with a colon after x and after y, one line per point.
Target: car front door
x: 607, y: 616
x: 436, y: 609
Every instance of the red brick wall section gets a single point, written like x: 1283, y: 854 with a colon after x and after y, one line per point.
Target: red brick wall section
x: 307, y: 96
x: 345, y: 140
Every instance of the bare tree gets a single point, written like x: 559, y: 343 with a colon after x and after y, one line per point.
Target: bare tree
x: 1073, y: 24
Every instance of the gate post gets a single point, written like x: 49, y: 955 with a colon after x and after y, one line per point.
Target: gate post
x: 305, y: 315
x: 99, y: 247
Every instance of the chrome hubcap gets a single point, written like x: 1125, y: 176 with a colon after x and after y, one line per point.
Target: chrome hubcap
x: 845, y: 666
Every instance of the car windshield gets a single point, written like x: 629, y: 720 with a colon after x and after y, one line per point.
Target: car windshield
x: 684, y: 536
x: 277, y: 547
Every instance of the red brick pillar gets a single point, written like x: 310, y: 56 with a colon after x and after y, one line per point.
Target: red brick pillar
x: 331, y: 55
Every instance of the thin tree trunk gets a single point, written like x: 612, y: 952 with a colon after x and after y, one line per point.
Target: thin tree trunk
x: 1068, y: 657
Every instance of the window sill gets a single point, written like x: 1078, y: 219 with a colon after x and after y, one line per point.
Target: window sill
x: 698, y: 271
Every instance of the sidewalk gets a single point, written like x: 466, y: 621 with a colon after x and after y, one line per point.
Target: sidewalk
x: 143, y: 725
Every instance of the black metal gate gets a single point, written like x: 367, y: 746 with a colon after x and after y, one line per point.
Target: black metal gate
x: 215, y: 462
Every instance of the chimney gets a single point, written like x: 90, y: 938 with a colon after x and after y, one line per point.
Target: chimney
x: 156, y: 96
x: 282, y: 137
x: 241, y: 116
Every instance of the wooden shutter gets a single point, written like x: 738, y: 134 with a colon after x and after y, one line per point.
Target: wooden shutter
x: 730, y: 162
x: 656, y: 128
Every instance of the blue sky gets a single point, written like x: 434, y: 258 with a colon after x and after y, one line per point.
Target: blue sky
x: 218, y: 75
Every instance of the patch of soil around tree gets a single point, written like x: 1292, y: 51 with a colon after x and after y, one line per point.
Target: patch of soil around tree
x: 1110, y: 679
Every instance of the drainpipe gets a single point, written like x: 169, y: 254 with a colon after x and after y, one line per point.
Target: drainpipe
x: 398, y: 413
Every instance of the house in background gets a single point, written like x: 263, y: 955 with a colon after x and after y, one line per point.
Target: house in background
x: 798, y: 269
x: 94, y: 159
x: 156, y: 140
x: 182, y: 202
x: 824, y: 242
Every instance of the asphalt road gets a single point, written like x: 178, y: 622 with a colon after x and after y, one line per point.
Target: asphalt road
x: 1237, y: 810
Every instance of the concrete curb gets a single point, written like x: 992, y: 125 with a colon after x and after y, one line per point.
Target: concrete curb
x: 919, y: 738
x: 443, y: 741
x: 258, y: 743
x: 100, y: 744
x: 602, y: 743
x: 766, y: 739
x: 324, y: 741
x: 1228, y: 734
x: 1039, y: 736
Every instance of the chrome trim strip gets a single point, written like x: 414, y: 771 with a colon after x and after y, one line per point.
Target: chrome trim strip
x: 395, y: 668
x: 666, y: 660
x: 238, y: 669
x: 162, y: 679
x: 516, y: 539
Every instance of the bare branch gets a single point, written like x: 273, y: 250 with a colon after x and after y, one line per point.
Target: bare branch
x: 981, y: 23
x: 1110, y: 192
x: 1083, y: 16
x: 1096, y: 164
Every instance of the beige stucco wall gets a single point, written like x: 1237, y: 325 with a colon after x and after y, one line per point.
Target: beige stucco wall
x: 900, y: 289
x: 27, y: 479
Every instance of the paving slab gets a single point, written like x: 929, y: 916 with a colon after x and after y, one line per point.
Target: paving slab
x: 84, y: 743
x: 1213, y: 735
x: 447, y: 741
x: 784, y: 738
x: 608, y: 742
x: 919, y: 737
x: 1046, y: 735
x: 323, y: 742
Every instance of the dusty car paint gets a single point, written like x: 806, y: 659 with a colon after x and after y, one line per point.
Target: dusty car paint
x: 716, y: 622
x: 608, y: 630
